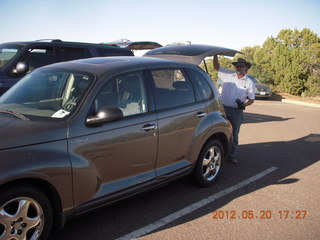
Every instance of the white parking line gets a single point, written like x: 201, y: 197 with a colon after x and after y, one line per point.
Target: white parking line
x: 170, y: 218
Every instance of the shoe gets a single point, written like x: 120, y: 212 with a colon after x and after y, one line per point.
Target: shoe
x: 233, y: 160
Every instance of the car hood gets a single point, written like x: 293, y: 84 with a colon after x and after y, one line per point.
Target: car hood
x: 16, y: 133
x: 192, y: 53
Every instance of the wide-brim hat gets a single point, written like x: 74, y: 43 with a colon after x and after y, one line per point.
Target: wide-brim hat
x: 241, y: 60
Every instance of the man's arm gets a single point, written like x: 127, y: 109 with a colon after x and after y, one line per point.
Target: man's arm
x: 251, y: 94
x: 249, y: 102
x: 216, y: 63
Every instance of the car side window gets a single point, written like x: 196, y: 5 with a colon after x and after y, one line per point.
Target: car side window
x: 173, y: 88
x: 69, y: 53
x: 108, y: 52
x: 202, y: 84
x: 127, y: 92
x: 38, y: 57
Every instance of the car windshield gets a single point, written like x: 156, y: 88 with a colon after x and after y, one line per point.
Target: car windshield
x: 253, y: 79
x: 46, y: 94
x: 7, y: 52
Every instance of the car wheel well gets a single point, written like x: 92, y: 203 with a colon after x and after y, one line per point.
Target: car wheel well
x: 44, y: 187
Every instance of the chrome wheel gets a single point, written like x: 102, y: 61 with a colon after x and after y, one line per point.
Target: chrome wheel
x: 25, y: 214
x: 211, y: 163
x: 21, y: 218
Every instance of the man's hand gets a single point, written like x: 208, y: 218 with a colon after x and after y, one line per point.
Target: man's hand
x: 249, y: 102
x: 241, y: 105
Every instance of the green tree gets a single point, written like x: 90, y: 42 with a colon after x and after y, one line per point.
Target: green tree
x: 262, y: 59
x: 292, y: 52
x: 290, y: 62
x: 224, y: 62
x: 312, y: 53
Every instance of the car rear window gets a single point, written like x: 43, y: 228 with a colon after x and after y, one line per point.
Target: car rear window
x: 202, y: 84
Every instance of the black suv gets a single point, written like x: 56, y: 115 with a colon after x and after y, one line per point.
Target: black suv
x: 19, y: 58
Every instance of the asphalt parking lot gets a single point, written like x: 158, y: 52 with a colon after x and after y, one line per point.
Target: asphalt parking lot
x: 273, y: 193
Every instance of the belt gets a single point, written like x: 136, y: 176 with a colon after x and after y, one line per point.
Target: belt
x: 233, y: 108
x: 230, y: 107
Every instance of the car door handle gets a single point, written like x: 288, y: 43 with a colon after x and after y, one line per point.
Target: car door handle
x: 149, y: 127
x: 201, y: 114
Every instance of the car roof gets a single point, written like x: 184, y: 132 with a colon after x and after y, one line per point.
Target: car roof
x: 102, y: 65
x: 50, y: 42
x: 191, y: 53
x: 57, y: 42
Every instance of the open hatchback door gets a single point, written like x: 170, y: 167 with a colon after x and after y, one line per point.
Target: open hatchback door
x: 191, y: 53
x: 138, y: 45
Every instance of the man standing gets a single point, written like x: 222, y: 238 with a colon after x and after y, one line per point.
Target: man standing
x: 237, y: 93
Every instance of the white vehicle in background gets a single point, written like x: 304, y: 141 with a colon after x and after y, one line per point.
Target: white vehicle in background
x: 262, y: 90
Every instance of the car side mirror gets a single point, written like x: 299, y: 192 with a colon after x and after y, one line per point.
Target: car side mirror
x: 21, y: 67
x: 105, y: 115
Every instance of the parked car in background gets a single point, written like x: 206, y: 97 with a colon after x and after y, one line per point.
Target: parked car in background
x: 262, y: 91
x: 82, y: 134
x: 19, y: 58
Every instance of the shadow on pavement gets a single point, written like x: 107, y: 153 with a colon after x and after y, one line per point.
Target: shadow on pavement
x: 129, y: 215
x: 256, y: 118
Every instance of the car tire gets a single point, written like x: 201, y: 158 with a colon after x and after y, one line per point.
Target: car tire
x: 26, y: 213
x: 209, y: 163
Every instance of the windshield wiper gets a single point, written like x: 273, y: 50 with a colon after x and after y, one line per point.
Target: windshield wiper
x: 16, y: 114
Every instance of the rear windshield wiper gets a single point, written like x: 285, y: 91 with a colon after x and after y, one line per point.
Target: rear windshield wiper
x: 16, y: 114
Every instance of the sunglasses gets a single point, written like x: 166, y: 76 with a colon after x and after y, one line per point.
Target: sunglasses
x: 240, y: 66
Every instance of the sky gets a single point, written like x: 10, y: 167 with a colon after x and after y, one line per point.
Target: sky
x: 226, y: 23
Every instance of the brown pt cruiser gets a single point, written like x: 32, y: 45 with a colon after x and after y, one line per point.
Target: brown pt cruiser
x: 79, y: 135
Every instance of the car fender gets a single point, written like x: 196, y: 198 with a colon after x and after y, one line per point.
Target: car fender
x: 46, y: 162
x: 214, y: 124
